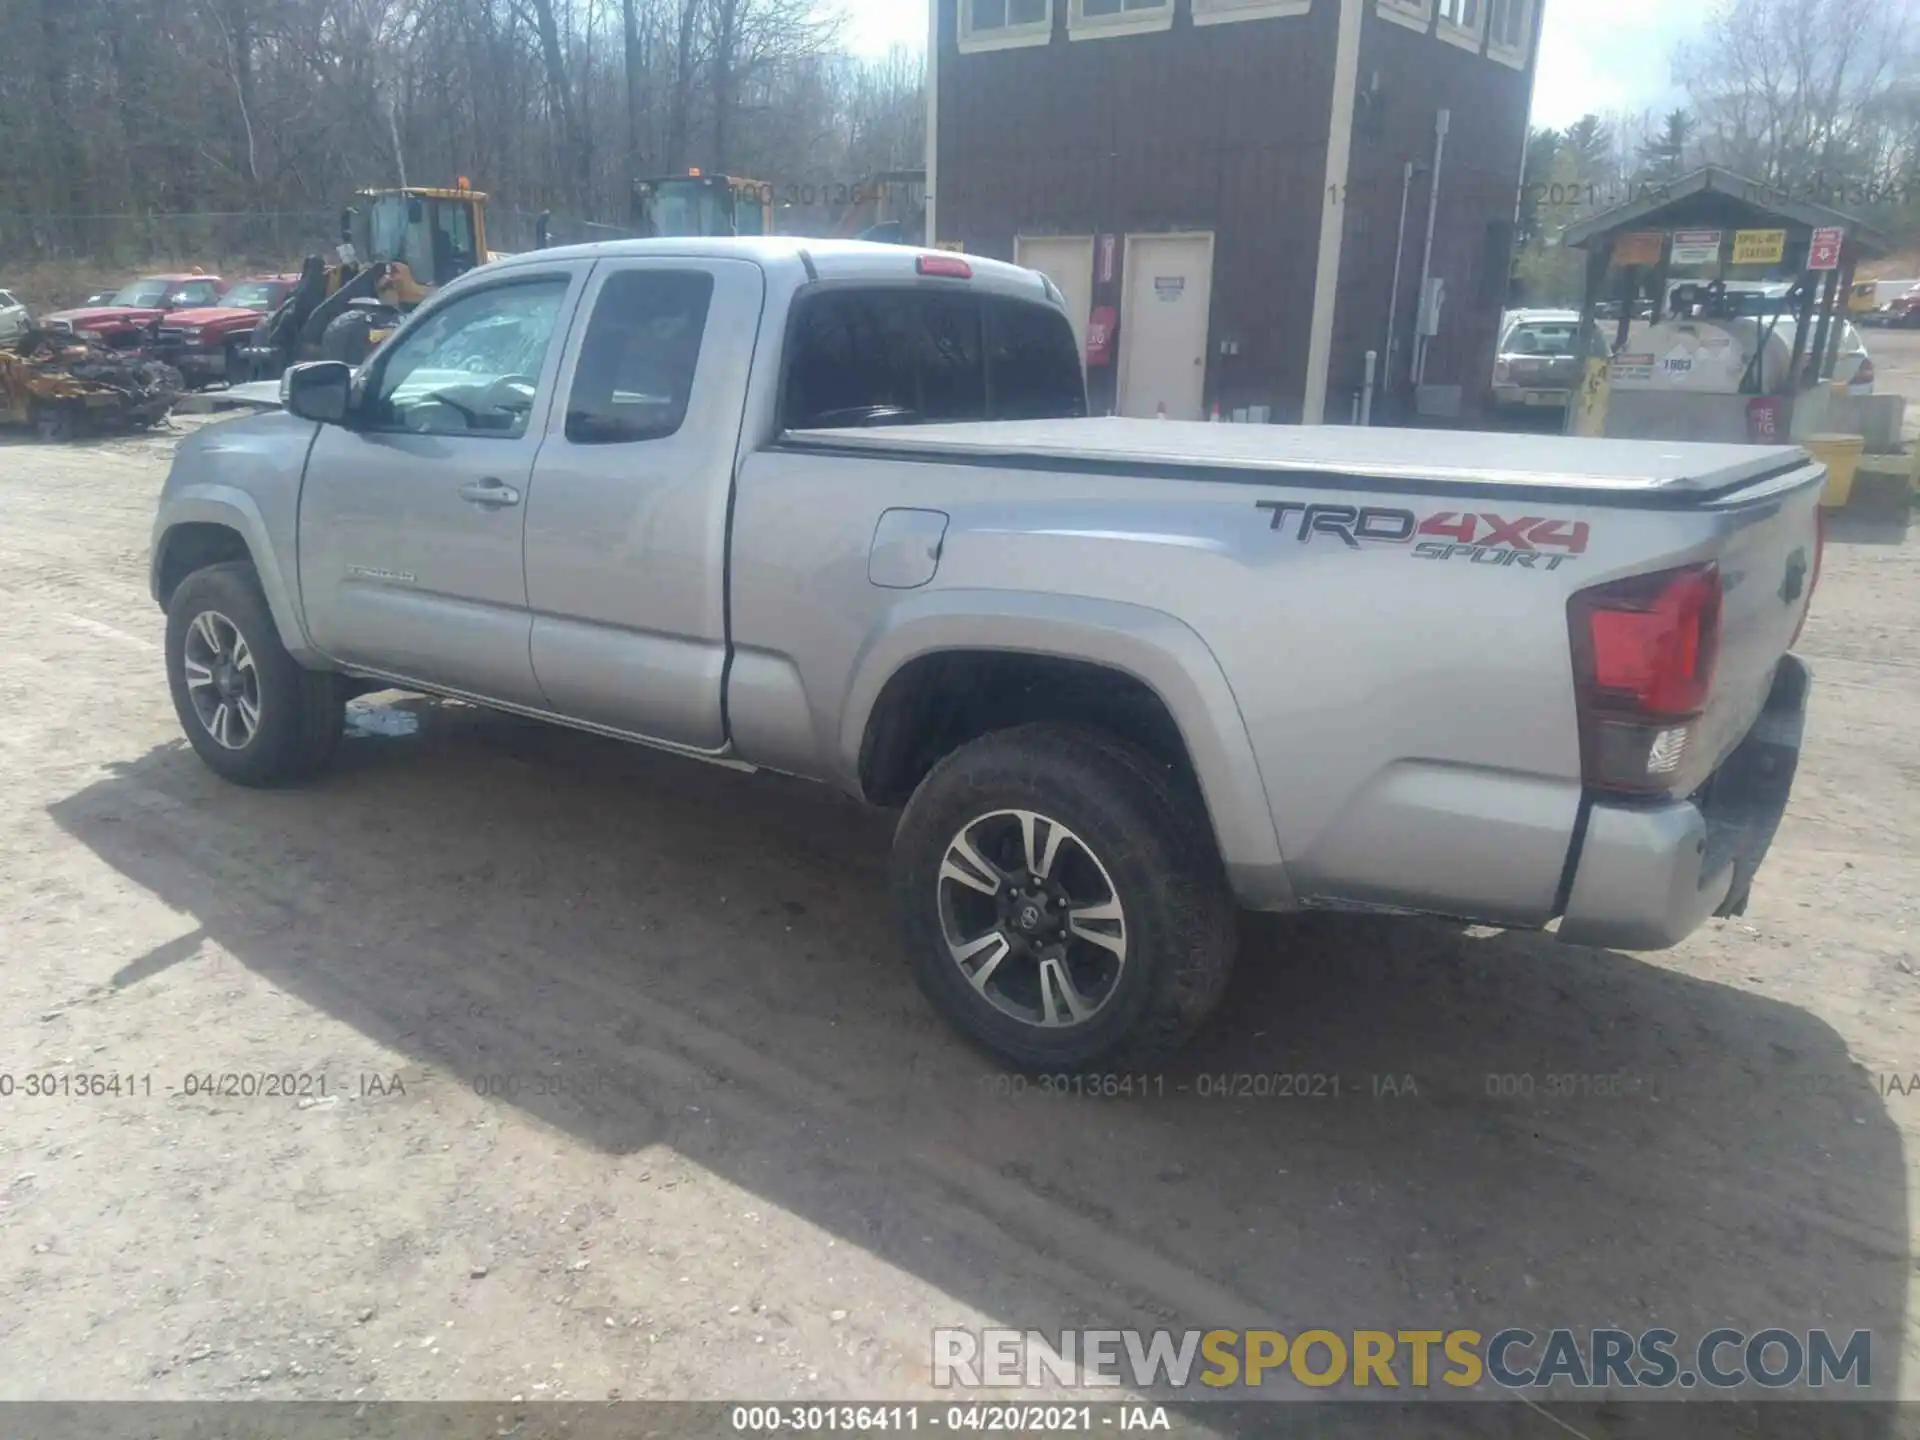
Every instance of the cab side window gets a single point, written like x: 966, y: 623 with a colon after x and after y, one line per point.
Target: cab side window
x: 637, y: 363
x: 473, y: 367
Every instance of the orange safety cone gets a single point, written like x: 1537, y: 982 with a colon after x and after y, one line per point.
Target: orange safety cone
x: 1214, y: 416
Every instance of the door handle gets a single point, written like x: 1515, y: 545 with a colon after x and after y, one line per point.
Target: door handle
x: 490, y: 492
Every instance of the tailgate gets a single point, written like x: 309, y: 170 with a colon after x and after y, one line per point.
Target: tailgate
x: 1769, y: 560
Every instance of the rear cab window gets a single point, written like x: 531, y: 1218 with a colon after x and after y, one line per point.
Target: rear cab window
x: 921, y: 355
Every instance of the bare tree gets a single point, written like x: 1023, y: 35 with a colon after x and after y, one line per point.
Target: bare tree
x: 1796, y: 93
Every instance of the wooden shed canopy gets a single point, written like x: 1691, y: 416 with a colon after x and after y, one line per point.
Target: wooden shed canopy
x: 1713, y: 198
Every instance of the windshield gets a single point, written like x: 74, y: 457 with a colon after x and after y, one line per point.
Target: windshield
x: 144, y: 294
x: 684, y: 208
x: 251, y: 295
x: 1553, y: 337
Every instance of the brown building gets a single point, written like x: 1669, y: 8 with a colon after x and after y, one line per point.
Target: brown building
x: 1225, y: 181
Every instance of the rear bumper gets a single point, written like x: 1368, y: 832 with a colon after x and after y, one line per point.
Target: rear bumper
x: 1550, y: 394
x: 1649, y: 876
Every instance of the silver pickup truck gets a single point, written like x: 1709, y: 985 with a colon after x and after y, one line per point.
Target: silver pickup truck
x: 837, y: 510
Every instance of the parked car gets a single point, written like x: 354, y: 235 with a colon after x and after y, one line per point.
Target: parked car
x: 835, y: 509
x: 14, y: 318
x: 1868, y: 300
x: 129, y: 319
x: 1765, y: 305
x: 1904, y: 310
x: 1538, y: 363
x: 204, y: 343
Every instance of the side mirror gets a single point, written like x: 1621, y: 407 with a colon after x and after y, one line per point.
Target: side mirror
x: 320, y: 390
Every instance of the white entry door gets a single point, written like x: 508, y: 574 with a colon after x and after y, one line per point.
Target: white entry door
x: 1067, y: 260
x: 1163, y: 327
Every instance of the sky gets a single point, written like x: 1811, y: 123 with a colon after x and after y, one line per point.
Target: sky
x: 1598, y: 57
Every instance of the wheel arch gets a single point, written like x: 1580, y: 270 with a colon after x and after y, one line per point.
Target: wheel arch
x: 973, y: 661
x: 210, y: 524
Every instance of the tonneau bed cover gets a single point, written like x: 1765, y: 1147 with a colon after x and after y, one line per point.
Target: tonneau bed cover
x: 1649, y: 472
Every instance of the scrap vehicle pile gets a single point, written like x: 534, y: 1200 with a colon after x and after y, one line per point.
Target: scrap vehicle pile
x: 64, y: 385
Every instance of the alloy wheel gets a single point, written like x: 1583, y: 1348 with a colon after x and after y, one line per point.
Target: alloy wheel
x: 1032, y: 918
x: 222, y: 680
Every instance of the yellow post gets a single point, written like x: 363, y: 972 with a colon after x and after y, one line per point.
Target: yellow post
x: 1589, y: 408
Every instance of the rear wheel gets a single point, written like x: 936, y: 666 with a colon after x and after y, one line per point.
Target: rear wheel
x: 1063, y: 904
x: 348, y: 336
x: 250, y: 711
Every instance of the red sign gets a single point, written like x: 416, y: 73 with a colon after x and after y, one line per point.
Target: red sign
x: 1763, y: 420
x: 1100, y: 335
x: 1824, y: 253
x: 1643, y: 247
x: 1109, y: 244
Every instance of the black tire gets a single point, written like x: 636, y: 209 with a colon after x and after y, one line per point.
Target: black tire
x: 239, y: 368
x: 1148, y: 839
x: 347, y: 336
x: 301, y: 713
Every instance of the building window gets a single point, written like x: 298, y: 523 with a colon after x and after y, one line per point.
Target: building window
x: 1510, y: 31
x: 1415, y: 14
x: 1091, y: 19
x: 1222, y: 12
x: 1462, y: 21
x: 1003, y: 24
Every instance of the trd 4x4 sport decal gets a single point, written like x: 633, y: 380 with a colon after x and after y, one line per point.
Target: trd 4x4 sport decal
x: 1531, y: 542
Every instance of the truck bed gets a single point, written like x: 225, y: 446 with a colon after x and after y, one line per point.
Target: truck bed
x: 1631, y: 472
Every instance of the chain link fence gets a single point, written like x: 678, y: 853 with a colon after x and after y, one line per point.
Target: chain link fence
x: 58, y: 260
x: 53, y: 260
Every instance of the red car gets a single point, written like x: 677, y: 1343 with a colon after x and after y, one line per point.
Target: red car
x: 201, y: 343
x: 1904, y: 310
x: 129, y: 320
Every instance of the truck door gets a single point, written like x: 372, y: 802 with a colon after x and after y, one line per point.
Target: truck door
x: 412, y: 518
x: 627, y: 521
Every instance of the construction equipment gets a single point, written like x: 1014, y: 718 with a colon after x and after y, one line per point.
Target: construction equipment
x: 696, y: 206
x: 69, y: 384
x: 396, y: 248
x: 889, y: 206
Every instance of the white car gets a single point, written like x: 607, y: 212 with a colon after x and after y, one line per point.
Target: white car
x: 1760, y: 310
x: 13, y: 317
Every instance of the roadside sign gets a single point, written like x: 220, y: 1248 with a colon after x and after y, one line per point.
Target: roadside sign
x: 1759, y: 247
x: 1642, y: 247
x: 1100, y: 335
x: 1696, y: 247
x: 1824, y: 253
x: 1108, y: 245
x: 1763, y: 420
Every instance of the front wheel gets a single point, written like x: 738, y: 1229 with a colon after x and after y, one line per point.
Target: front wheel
x: 250, y: 711
x: 1062, y: 900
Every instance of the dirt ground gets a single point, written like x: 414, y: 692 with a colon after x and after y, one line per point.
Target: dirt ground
x: 628, y: 1092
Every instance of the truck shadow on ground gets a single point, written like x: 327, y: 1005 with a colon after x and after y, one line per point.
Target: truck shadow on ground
x: 1391, y: 1124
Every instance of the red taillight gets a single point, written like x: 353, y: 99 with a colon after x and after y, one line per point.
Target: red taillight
x: 950, y: 265
x: 1644, y: 651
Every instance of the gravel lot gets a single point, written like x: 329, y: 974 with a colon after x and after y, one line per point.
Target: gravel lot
x: 627, y: 1092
